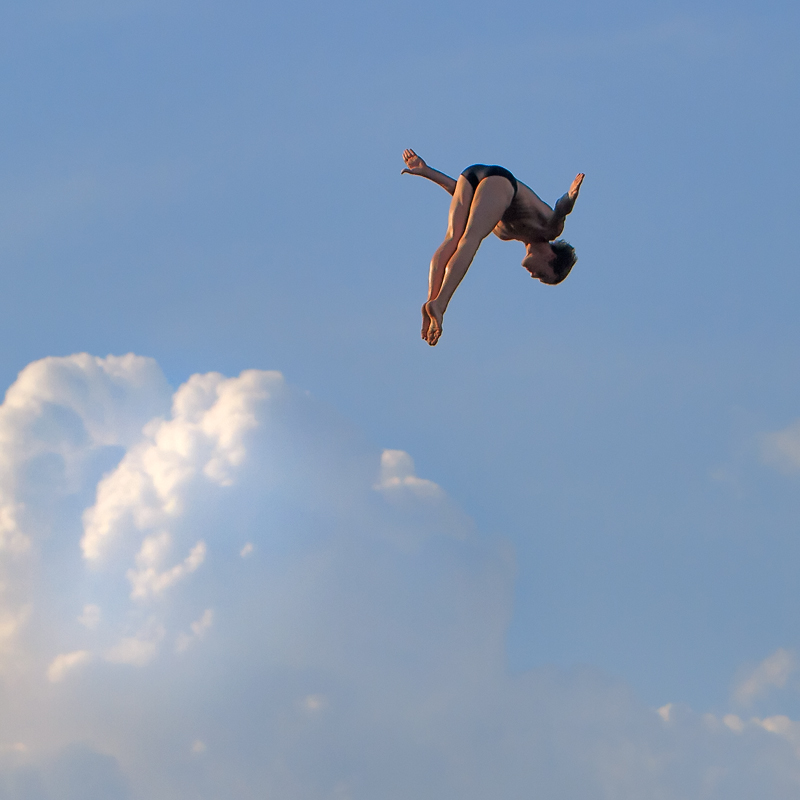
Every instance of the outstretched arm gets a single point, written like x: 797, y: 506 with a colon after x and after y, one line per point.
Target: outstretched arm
x: 566, y: 203
x: 416, y: 166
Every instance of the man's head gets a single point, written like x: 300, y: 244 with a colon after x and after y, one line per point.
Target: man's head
x: 550, y: 262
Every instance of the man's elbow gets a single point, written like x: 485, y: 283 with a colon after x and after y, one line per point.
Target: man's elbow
x: 563, y: 208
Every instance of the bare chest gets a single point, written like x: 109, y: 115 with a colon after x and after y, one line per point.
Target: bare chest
x: 528, y: 218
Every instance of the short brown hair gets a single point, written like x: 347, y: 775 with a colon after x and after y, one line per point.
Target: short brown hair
x: 564, y: 260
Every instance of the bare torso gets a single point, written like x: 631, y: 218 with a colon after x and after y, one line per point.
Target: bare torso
x: 528, y: 219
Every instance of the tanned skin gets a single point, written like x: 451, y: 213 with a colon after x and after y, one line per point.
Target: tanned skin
x: 474, y: 214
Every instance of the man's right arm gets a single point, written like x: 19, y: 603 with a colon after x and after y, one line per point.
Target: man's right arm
x: 445, y: 181
x: 416, y: 166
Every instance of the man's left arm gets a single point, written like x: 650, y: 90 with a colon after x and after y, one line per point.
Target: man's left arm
x: 566, y: 203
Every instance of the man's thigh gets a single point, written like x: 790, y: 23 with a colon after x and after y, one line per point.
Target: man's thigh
x: 460, y: 208
x: 492, y: 198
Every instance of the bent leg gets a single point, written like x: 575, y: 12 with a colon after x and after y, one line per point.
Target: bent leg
x: 456, y: 225
x: 492, y: 197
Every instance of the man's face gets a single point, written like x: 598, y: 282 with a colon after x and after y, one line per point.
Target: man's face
x: 537, y: 262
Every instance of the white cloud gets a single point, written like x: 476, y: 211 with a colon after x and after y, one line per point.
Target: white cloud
x: 200, y: 626
x: 782, y: 448
x: 247, y: 550
x: 138, y: 650
x: 780, y: 725
x: 202, y: 441
x: 314, y: 702
x: 132, y: 650
x: 197, y: 629
x: 734, y: 722
x: 772, y: 672
x: 58, y: 413
x: 90, y: 616
x: 67, y: 662
x: 11, y: 621
x: 361, y: 654
x: 146, y: 580
x: 397, y: 472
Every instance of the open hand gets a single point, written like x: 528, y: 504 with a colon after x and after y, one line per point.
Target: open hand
x: 414, y: 164
x: 576, y: 186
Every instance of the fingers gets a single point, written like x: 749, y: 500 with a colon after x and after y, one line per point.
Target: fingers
x: 576, y: 185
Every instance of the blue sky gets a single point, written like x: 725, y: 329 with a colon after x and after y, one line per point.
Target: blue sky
x: 217, y: 186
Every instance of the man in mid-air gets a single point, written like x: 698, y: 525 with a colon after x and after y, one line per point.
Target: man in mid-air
x: 489, y: 199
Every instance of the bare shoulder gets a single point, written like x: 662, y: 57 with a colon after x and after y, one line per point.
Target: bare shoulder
x: 526, y: 196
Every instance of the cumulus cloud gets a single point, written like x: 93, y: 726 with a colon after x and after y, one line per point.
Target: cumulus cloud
x: 359, y: 654
x: 772, y: 672
x: 202, y: 441
x: 58, y: 414
x: 397, y: 472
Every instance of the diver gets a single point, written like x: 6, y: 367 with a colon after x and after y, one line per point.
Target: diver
x: 489, y: 199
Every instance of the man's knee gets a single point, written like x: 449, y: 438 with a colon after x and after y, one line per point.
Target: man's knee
x: 471, y: 240
x: 448, y: 245
x: 455, y: 232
